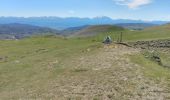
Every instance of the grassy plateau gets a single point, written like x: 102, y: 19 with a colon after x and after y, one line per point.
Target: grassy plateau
x: 37, y: 68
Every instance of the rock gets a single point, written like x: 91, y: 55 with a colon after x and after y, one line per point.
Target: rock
x: 3, y: 58
x: 88, y: 49
x: 157, y: 59
x: 152, y: 44
x: 41, y: 50
x: 17, y: 61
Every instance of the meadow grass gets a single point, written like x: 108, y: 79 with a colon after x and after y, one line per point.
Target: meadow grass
x: 31, y: 63
x: 151, y: 68
x: 130, y: 36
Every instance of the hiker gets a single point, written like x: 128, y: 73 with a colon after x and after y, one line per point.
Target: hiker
x: 107, y: 40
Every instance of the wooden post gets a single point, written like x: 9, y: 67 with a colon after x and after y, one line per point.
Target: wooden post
x: 118, y: 40
x: 121, y: 36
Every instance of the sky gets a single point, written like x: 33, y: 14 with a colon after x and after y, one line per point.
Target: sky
x: 116, y: 9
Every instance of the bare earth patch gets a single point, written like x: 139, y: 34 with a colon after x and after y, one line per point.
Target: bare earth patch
x: 106, y: 75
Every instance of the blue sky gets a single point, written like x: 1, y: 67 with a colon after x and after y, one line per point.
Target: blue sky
x: 116, y: 9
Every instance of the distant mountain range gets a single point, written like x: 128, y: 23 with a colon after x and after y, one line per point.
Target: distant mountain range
x: 19, y: 27
x: 17, y: 31
x: 64, y: 23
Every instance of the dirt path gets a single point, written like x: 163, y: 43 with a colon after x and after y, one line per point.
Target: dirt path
x: 106, y: 75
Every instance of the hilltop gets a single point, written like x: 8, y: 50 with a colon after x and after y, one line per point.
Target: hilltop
x: 78, y: 68
x: 136, y: 26
x: 160, y: 28
x: 156, y: 32
x: 95, y: 30
x: 151, y: 33
x: 98, y: 32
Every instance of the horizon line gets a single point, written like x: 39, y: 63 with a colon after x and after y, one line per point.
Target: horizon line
x: 146, y: 20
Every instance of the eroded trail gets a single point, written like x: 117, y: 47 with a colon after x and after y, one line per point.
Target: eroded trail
x: 107, y: 75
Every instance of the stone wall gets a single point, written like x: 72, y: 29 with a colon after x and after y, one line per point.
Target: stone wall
x: 152, y: 44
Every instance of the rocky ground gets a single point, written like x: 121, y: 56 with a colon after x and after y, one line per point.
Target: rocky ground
x: 152, y: 44
x: 106, y: 75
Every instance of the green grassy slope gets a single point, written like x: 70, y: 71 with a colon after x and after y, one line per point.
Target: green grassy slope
x: 158, y: 32
x: 31, y: 65
x: 151, y: 68
x: 96, y: 29
x: 154, y: 71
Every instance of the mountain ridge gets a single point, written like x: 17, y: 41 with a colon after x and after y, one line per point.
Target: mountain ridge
x: 96, y: 29
x: 64, y: 23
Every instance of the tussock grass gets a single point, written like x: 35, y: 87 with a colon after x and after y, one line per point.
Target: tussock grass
x: 151, y: 69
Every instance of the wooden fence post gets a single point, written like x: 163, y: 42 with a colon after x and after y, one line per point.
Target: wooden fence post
x: 121, y: 37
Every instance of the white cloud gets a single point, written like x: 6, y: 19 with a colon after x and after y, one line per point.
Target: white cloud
x: 133, y: 4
